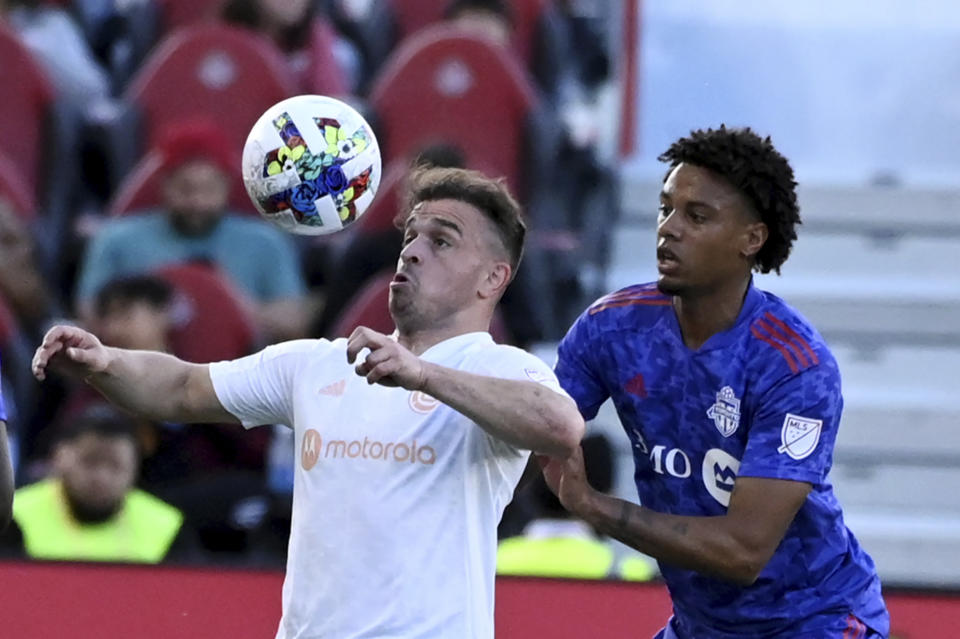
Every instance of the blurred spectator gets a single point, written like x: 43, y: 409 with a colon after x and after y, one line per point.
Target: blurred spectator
x: 140, y: 312
x: 195, y: 226
x: 556, y: 544
x: 53, y: 36
x: 89, y: 510
x: 491, y: 19
x: 321, y: 62
x: 22, y: 285
x: 135, y: 312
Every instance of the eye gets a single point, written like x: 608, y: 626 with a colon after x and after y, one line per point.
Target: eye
x: 408, y: 238
x: 663, y: 210
x: 441, y: 242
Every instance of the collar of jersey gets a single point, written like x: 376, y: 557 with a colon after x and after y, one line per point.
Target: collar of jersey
x: 750, y: 303
x: 449, y: 346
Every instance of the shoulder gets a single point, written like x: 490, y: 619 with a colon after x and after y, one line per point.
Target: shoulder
x: 306, y: 348
x: 633, y: 308
x: 287, y: 355
x: 123, y: 228
x: 505, y: 359
x: 247, y: 226
x: 786, y: 342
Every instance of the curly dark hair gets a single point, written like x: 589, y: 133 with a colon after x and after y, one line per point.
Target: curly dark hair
x: 755, y: 168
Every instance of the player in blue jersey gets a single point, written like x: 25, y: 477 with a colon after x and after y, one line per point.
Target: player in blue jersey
x: 731, y: 401
x: 6, y: 471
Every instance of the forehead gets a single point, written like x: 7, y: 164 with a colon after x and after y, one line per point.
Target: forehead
x: 465, y: 216
x: 692, y: 182
x: 100, y: 444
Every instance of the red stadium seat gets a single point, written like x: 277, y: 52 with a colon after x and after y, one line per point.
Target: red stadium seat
x: 379, y: 217
x: 214, y: 71
x: 27, y: 100
x: 369, y: 307
x: 141, y: 188
x: 211, y: 321
x: 15, y: 191
x: 444, y: 86
x: 409, y: 16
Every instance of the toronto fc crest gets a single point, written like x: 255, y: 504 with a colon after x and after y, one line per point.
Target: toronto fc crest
x: 725, y: 413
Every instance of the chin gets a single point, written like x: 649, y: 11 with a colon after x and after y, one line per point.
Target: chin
x: 669, y: 286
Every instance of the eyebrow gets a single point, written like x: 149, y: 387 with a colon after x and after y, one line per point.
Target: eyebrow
x: 439, y: 221
x: 665, y: 196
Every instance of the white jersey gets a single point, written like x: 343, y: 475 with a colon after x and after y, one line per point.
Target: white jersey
x: 396, y: 496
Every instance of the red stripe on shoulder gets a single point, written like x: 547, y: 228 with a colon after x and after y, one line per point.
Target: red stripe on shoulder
x: 783, y: 339
x: 794, y: 336
x: 632, y: 292
x: 630, y: 302
x: 777, y: 345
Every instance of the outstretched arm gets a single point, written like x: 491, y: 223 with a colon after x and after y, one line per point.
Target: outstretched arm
x: 525, y: 414
x: 735, y: 546
x: 155, y: 385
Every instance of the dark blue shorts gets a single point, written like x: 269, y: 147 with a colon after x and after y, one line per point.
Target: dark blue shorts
x: 848, y: 627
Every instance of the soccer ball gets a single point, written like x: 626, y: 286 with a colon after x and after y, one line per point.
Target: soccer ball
x: 311, y: 165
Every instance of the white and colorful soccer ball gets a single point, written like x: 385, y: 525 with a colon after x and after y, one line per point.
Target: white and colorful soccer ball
x: 311, y: 165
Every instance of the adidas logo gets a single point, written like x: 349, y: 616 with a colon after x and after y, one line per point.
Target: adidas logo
x: 334, y: 390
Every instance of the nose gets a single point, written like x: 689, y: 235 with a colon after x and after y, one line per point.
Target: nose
x: 412, y: 253
x: 668, y: 225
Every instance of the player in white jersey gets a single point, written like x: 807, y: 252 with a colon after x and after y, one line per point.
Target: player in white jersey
x: 408, y: 446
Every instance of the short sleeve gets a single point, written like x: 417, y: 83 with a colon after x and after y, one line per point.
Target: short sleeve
x: 259, y: 389
x: 576, y: 370
x: 794, y: 427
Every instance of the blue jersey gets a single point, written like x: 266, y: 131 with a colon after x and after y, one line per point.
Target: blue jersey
x: 761, y: 399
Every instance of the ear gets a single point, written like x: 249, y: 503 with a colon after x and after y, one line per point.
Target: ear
x: 495, y: 281
x: 753, y: 239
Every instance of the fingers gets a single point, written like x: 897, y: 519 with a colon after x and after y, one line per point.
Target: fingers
x: 381, y: 374
x: 363, y: 337
x: 71, y: 341
x: 42, y: 357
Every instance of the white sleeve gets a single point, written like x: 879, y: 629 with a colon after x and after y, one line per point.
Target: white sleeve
x: 258, y: 389
x: 507, y: 362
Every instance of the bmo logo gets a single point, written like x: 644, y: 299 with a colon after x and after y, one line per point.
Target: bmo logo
x: 718, y: 470
x: 313, y: 448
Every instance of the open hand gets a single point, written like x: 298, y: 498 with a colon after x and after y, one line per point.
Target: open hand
x: 388, y: 362
x: 70, y: 350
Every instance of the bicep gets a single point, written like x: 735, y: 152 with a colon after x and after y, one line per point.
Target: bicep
x: 762, y: 509
x: 200, y: 397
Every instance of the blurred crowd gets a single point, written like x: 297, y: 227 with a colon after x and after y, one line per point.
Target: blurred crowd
x: 122, y: 210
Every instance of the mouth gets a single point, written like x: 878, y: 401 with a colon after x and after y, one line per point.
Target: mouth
x: 667, y: 260
x: 400, y: 279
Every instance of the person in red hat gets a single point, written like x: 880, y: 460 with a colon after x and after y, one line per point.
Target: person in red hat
x: 194, y: 224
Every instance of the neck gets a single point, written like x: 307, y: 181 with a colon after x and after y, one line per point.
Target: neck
x: 417, y: 340
x: 703, y: 316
